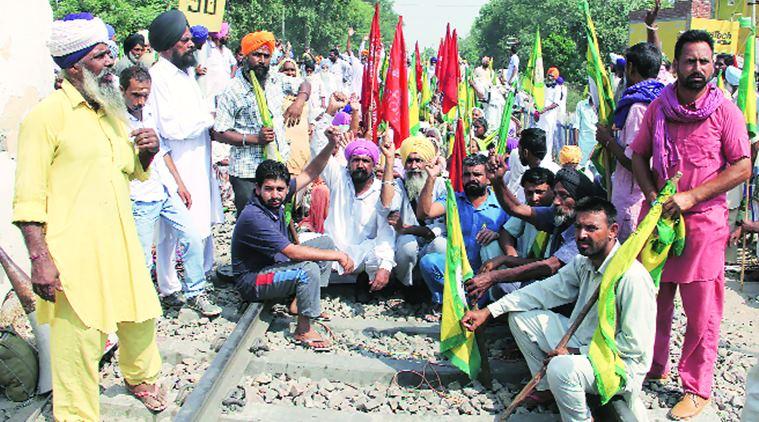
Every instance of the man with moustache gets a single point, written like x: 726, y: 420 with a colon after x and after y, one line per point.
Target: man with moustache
x: 75, y: 160
x: 217, y: 64
x: 183, y: 121
x: 414, y: 239
x: 520, y: 241
x: 538, y: 330
x: 480, y: 215
x: 693, y: 129
x: 569, y: 187
x: 357, y: 221
x: 151, y: 202
x: 531, y: 153
x: 238, y: 119
x: 266, y: 263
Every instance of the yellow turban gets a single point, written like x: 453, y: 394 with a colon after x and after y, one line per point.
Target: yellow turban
x: 419, y: 145
x: 256, y: 40
x: 553, y: 71
x: 570, y: 154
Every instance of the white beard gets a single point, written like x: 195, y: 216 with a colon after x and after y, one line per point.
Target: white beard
x: 106, y: 95
x: 414, y: 183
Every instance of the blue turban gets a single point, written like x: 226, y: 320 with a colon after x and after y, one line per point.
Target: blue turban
x: 199, y: 34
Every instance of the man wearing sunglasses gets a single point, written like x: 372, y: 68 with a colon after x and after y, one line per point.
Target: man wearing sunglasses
x: 239, y: 120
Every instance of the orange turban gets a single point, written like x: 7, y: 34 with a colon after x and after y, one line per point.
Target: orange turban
x: 553, y: 71
x: 256, y: 40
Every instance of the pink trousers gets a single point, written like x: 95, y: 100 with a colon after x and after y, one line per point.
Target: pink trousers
x: 702, y: 302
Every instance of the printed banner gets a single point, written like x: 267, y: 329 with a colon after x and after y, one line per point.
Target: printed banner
x: 209, y: 13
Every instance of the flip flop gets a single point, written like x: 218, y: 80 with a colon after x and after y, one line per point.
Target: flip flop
x: 310, y: 343
x: 154, y: 398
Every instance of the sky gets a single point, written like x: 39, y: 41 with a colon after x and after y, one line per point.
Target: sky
x: 425, y: 19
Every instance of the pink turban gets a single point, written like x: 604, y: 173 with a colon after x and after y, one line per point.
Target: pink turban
x: 362, y: 147
x: 223, y: 32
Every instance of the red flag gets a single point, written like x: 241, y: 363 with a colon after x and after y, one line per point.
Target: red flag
x: 450, y: 76
x: 395, y: 96
x: 456, y: 161
x: 418, y: 60
x: 441, y: 51
x: 370, y: 107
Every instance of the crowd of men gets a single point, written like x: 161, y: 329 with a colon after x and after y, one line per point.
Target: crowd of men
x: 179, y: 121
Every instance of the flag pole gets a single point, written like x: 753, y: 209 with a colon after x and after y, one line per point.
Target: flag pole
x: 527, y: 390
x: 743, y: 234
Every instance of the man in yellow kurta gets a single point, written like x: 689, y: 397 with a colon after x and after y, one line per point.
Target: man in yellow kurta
x: 75, y: 160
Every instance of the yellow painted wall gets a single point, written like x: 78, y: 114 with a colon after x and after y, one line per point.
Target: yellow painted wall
x: 668, y: 32
x: 726, y: 12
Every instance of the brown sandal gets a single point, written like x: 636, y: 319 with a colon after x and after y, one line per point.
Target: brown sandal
x: 154, y: 398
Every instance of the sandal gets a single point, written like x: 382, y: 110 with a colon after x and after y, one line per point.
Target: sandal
x: 154, y: 397
x: 312, y: 343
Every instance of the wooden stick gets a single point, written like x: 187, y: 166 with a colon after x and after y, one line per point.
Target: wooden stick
x: 743, y: 234
x: 20, y: 282
x: 527, y: 390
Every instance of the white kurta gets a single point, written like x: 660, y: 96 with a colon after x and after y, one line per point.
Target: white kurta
x: 183, y: 119
x: 549, y: 119
x: 358, y: 224
x: 218, y: 63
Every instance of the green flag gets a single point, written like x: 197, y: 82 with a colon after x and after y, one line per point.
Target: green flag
x: 271, y: 150
x: 503, y: 130
x: 456, y: 342
x: 747, y: 87
x: 533, y: 77
x: 652, y: 240
x: 413, y: 99
x: 600, y: 157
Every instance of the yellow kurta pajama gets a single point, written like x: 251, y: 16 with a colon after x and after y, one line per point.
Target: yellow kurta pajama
x: 74, y: 167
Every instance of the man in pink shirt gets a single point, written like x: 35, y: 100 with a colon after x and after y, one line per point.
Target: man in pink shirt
x: 643, y: 62
x: 692, y: 128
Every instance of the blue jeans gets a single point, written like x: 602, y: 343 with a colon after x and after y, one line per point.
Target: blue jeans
x: 174, y: 213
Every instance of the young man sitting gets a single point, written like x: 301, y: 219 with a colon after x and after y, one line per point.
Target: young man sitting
x: 537, y: 330
x: 266, y: 262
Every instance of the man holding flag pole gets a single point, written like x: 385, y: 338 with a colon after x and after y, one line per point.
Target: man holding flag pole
x: 692, y: 128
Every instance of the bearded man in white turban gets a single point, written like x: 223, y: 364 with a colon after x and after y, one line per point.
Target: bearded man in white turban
x: 75, y: 161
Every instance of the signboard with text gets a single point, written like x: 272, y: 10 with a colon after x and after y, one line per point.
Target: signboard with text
x: 725, y: 33
x: 209, y: 13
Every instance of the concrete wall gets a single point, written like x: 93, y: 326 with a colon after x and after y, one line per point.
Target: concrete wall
x: 26, y: 76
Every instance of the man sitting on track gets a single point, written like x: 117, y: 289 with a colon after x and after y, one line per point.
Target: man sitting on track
x: 266, y: 262
x: 537, y: 331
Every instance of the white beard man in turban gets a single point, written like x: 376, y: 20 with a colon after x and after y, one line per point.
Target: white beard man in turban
x: 414, y: 239
x: 75, y: 161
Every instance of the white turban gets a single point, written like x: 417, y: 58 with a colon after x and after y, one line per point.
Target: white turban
x: 75, y: 35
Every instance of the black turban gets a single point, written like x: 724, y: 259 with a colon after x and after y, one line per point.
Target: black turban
x: 166, y: 29
x: 132, y: 41
x: 577, y: 184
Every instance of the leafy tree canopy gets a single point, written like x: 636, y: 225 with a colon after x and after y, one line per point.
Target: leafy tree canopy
x: 504, y: 22
x: 320, y: 25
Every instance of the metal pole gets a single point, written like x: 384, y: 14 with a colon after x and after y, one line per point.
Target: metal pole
x: 283, y: 22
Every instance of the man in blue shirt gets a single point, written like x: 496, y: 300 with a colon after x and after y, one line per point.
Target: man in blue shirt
x: 265, y: 261
x: 480, y: 215
x: 569, y: 187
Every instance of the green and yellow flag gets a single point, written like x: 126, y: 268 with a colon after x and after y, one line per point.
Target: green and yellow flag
x: 747, y: 86
x: 652, y: 240
x: 600, y: 157
x: 413, y: 99
x: 456, y: 342
x: 503, y: 130
x: 533, y: 81
x: 271, y: 151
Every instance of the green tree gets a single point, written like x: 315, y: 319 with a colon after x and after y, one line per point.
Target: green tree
x: 503, y: 22
x: 320, y: 25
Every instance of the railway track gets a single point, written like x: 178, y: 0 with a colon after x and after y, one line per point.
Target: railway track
x: 384, y: 365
